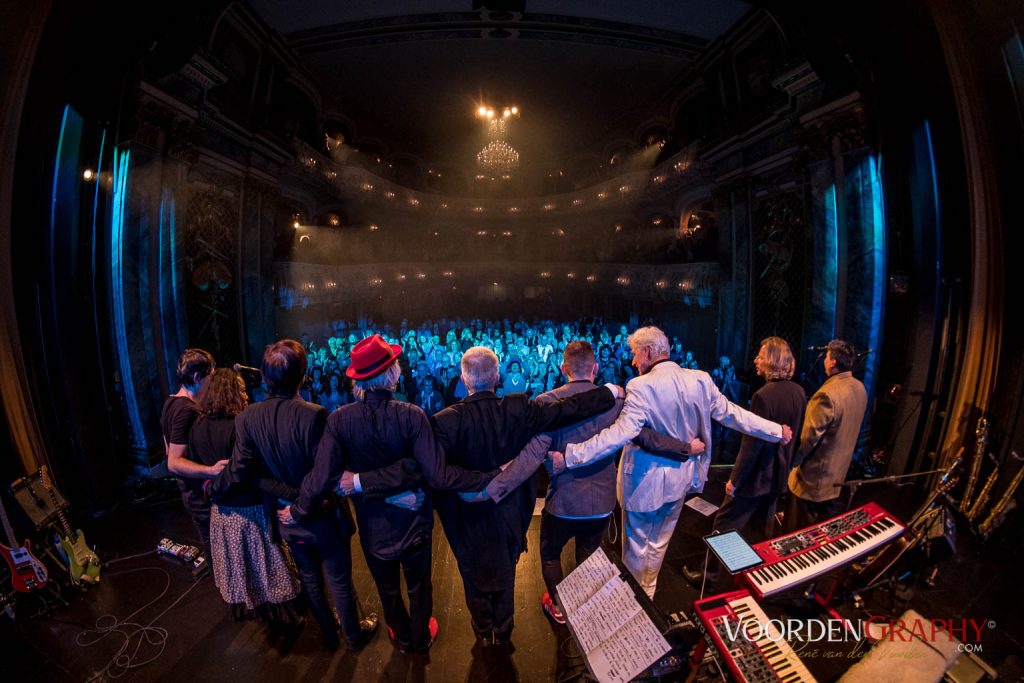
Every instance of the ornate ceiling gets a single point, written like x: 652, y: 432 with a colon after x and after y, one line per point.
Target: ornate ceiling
x: 403, y: 79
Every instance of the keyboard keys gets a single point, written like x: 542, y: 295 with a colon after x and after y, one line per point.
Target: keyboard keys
x: 849, y: 536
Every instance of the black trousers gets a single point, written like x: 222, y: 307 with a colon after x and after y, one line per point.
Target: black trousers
x: 753, y: 517
x: 555, y: 533
x: 804, y: 513
x: 492, y: 611
x: 410, y: 627
x: 319, y: 549
x: 199, y: 511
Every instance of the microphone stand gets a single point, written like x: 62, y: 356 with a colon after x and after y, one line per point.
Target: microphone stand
x: 853, y: 484
x: 806, y: 373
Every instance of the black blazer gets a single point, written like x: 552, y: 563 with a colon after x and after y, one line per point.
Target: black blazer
x: 277, y: 439
x: 762, y: 468
x: 481, y: 433
x: 391, y: 446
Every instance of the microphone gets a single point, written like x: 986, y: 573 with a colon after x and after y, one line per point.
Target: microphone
x: 238, y: 367
x: 818, y: 348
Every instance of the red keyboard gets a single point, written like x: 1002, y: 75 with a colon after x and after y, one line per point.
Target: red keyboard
x: 801, y: 556
x: 744, y: 639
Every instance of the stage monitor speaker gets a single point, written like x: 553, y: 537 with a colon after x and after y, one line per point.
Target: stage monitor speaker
x: 36, y: 501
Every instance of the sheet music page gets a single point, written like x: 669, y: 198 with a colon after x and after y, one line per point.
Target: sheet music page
x: 585, y: 580
x: 702, y: 506
x: 604, y: 613
x: 636, y: 645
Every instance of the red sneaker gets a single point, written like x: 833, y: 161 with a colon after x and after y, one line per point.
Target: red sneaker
x: 433, y: 628
x: 551, y: 609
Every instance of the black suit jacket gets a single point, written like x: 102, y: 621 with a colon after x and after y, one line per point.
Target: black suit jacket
x: 481, y: 433
x: 761, y: 468
x: 376, y: 438
x: 277, y: 439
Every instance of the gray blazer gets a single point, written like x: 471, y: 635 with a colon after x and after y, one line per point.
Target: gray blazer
x: 586, y: 491
x: 831, y: 427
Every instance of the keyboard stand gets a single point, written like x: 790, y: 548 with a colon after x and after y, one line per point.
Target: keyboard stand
x: 830, y: 602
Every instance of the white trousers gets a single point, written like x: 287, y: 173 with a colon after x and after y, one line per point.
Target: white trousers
x: 645, y: 538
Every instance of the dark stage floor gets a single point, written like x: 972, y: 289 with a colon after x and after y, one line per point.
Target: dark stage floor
x: 191, y: 637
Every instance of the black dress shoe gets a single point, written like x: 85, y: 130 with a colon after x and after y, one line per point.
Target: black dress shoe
x: 695, y: 578
x: 503, y: 641
x: 367, y: 627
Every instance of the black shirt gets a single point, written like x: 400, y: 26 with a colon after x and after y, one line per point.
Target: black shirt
x: 213, y: 438
x: 277, y: 439
x: 176, y: 418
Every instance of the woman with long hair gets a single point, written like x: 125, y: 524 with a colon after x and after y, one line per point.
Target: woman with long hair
x: 249, y: 569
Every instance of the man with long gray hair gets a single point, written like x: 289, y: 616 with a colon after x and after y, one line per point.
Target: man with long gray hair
x: 678, y: 402
x: 482, y: 432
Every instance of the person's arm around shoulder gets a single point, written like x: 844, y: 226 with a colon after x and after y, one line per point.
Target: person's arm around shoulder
x: 429, y: 453
x: 243, y: 462
x: 626, y: 426
x: 667, y: 446
x: 749, y: 446
x: 546, y: 416
x: 732, y: 416
x: 328, y: 464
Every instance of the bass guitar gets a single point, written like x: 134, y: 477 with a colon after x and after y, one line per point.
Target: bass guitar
x: 83, y: 563
x: 27, y: 572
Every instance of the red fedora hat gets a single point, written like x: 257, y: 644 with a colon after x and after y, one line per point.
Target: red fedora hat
x: 372, y: 356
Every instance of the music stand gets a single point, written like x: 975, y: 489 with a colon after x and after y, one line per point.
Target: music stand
x: 646, y: 605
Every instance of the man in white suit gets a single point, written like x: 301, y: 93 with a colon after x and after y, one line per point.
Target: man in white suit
x: 680, y: 403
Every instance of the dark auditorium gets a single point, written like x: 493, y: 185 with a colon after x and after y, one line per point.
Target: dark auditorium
x: 503, y: 341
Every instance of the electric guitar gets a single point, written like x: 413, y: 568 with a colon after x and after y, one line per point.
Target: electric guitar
x: 83, y: 563
x: 27, y: 572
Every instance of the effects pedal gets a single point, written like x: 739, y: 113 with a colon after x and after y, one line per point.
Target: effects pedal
x: 187, y: 553
x: 200, y: 567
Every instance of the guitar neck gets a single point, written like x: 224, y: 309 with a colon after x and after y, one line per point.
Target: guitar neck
x: 44, y: 479
x: 8, y: 530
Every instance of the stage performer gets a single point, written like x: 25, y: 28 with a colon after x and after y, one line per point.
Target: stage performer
x: 483, y: 432
x: 277, y: 438
x: 758, y: 477
x: 375, y: 432
x: 176, y: 420
x: 832, y: 424
x: 678, y: 402
x: 580, y: 501
x: 249, y: 568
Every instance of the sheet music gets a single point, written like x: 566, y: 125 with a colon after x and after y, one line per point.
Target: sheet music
x: 604, y: 613
x: 702, y: 506
x: 636, y: 645
x: 585, y: 580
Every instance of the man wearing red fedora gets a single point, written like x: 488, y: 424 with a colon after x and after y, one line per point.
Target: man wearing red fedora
x: 374, y: 433
x: 277, y: 439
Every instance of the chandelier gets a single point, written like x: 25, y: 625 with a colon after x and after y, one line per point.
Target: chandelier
x: 497, y: 156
